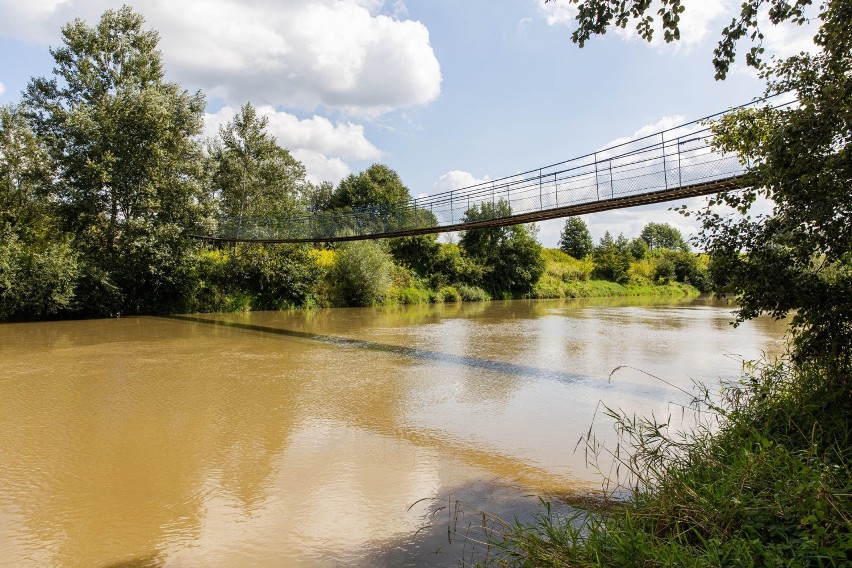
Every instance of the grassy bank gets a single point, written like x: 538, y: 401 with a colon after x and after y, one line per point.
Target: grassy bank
x: 567, y: 277
x: 764, y: 482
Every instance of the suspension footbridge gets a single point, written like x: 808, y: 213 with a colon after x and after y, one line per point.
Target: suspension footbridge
x: 670, y: 165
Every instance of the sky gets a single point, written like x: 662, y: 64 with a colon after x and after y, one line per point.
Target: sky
x: 447, y: 93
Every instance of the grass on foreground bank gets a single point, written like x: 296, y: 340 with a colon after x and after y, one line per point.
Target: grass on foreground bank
x: 769, y: 486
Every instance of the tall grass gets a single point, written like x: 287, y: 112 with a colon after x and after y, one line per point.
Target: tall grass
x: 763, y: 480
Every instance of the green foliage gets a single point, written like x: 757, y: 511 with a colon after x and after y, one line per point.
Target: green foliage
x: 450, y: 266
x: 252, y: 175
x: 575, y: 238
x: 129, y: 176
x: 276, y: 276
x: 594, y: 17
x: 362, y: 273
x: 663, y: 236
x: 798, y: 259
x: 473, y: 293
x: 448, y: 294
x: 417, y: 252
x: 36, y: 284
x: 638, y: 249
x: 25, y: 179
x: 377, y: 185
x: 612, y: 259
x: 678, y: 266
x: 510, y: 256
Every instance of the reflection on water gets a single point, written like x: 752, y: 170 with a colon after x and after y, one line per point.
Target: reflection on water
x: 305, y: 438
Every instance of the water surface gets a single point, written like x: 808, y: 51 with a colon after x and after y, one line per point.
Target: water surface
x: 328, y: 437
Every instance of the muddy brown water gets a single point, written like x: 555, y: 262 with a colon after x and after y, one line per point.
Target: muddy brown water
x: 336, y: 437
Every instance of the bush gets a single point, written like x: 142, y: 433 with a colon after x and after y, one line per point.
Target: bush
x: 448, y: 294
x: 36, y: 284
x: 452, y: 267
x: 473, y: 293
x: 362, y: 273
x: 277, y: 276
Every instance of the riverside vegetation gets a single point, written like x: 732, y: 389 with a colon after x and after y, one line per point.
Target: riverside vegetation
x: 104, y: 177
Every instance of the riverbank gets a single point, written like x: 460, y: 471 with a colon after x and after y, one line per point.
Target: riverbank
x: 336, y: 278
x: 769, y: 487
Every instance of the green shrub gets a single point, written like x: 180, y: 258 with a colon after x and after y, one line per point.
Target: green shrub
x: 448, y: 294
x: 36, y: 284
x: 362, y: 274
x: 473, y: 293
x: 549, y: 286
x: 277, y: 276
x: 409, y: 295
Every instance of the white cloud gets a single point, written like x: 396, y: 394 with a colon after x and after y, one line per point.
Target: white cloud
x: 319, y: 144
x: 320, y: 167
x: 304, y: 53
x: 2, y: 89
x: 456, y: 179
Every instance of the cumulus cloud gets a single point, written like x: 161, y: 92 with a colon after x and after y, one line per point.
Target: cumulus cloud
x: 341, y: 54
x: 456, y: 179
x: 322, y: 146
x: 2, y: 89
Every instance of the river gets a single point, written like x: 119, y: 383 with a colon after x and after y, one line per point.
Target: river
x: 349, y: 437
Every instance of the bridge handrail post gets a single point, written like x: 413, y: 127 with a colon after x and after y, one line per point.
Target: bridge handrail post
x: 540, y: 198
x: 556, y: 188
x: 452, y: 214
x: 665, y: 172
x: 597, y: 186
x: 679, y: 168
x: 611, y: 183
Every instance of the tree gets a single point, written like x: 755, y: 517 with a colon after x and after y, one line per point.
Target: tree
x: 510, y: 256
x: 575, y: 238
x: 799, y: 258
x: 612, y: 259
x: 663, y: 236
x: 129, y: 172
x: 254, y: 176
x: 26, y: 172
x: 594, y: 17
x: 378, y: 185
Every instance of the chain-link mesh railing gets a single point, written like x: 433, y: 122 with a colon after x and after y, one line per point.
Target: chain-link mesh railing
x: 676, y: 163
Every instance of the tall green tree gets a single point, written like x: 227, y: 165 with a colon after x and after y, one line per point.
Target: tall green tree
x: 799, y: 258
x: 575, y: 238
x: 252, y: 175
x: 510, y: 256
x: 129, y: 166
x: 663, y: 236
x: 378, y: 185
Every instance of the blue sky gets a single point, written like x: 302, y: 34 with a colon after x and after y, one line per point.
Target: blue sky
x: 445, y: 92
